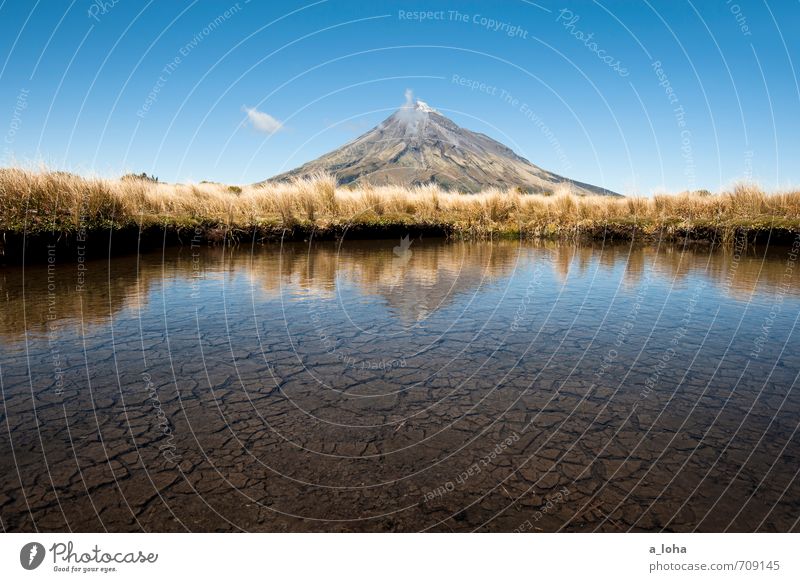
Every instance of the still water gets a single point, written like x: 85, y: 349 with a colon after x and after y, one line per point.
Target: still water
x: 403, y: 386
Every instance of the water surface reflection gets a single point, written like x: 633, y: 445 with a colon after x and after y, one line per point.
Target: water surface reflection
x: 390, y: 385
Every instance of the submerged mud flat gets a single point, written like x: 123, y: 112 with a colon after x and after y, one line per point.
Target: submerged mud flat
x: 403, y: 385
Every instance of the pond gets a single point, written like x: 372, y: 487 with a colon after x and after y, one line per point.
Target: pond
x: 403, y: 385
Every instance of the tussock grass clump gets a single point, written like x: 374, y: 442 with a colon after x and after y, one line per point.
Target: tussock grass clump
x: 42, y: 201
x: 372, y: 200
x: 499, y: 206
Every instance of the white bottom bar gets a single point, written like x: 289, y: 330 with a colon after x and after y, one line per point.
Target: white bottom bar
x: 402, y: 557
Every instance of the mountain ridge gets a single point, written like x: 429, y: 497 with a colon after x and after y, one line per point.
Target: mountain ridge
x: 418, y: 145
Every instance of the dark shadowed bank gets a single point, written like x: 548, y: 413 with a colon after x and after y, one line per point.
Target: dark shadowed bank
x: 22, y: 247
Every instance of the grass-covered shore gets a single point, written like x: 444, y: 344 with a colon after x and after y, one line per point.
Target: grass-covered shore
x: 44, y: 205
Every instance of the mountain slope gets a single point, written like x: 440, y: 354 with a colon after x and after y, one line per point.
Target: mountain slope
x: 419, y: 145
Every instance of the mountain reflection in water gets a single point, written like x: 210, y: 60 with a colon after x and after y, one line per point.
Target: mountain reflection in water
x: 382, y: 385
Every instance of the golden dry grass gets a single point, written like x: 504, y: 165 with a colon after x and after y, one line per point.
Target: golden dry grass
x: 40, y: 201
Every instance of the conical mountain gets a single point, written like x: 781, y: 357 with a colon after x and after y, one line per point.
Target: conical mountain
x: 418, y: 145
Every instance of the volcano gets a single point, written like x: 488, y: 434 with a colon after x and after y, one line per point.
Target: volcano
x: 418, y: 145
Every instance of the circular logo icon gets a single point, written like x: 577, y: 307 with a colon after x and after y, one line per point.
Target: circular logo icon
x: 31, y: 555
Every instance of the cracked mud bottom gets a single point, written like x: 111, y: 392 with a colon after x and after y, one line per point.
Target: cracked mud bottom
x: 391, y: 386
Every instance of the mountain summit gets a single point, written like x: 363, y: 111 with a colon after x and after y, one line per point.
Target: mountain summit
x: 419, y: 145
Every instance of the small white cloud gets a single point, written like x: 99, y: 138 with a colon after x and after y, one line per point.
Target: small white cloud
x: 261, y: 121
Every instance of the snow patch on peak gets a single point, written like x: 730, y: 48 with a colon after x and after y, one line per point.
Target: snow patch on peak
x: 413, y: 116
x: 424, y: 107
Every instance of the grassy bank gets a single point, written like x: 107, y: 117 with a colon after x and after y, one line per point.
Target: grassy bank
x: 57, y: 203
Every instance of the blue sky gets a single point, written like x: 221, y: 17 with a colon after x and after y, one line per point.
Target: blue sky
x: 633, y: 96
